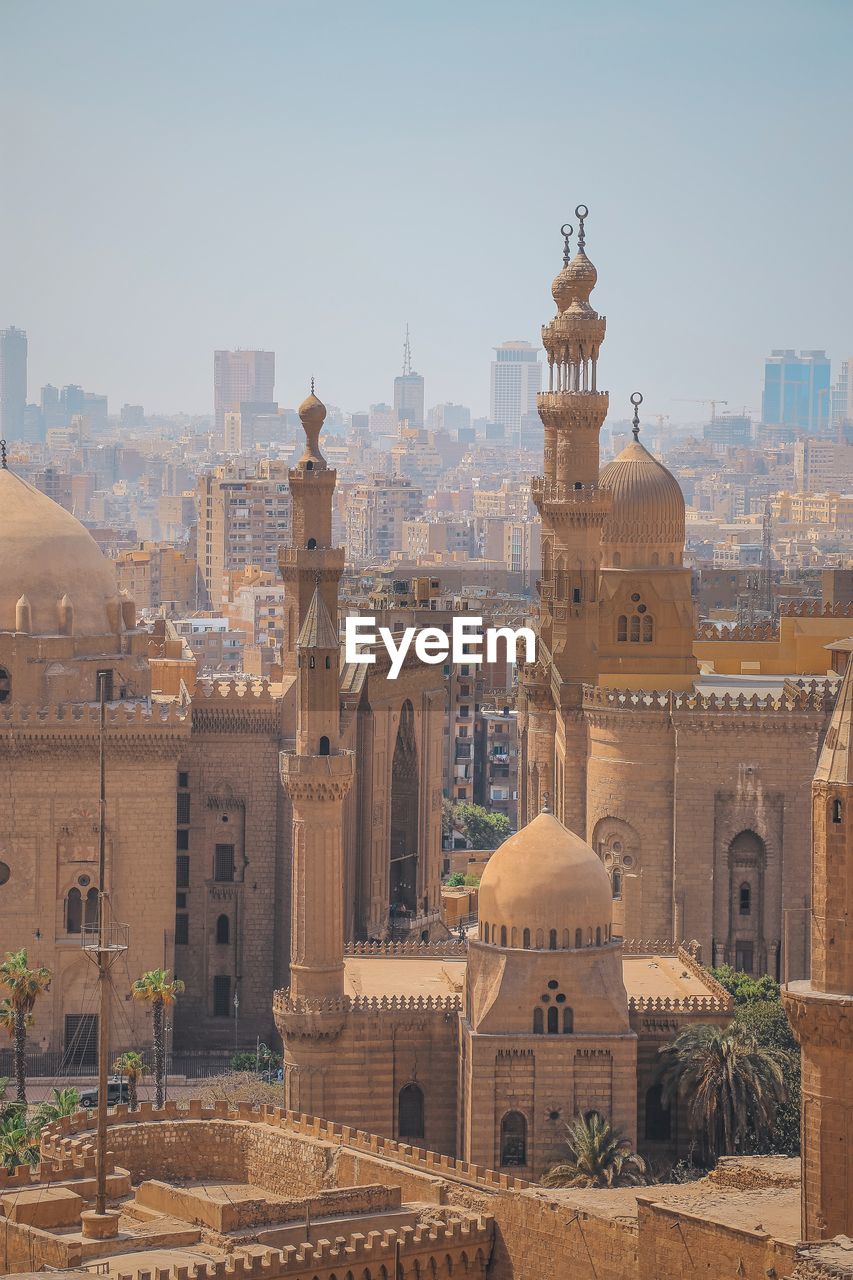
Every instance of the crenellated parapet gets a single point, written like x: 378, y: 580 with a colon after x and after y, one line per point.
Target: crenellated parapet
x: 814, y: 697
x: 815, y: 609
x: 133, y: 728
x: 451, y: 950
x: 759, y: 631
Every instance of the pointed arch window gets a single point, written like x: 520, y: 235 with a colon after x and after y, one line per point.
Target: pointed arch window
x: 568, y: 1020
x: 513, y: 1139
x: 553, y: 1020
x: 223, y: 930
x: 73, y: 912
x: 622, y: 628
x: 635, y: 629
x: 648, y: 629
x: 410, y: 1107
x: 538, y: 1022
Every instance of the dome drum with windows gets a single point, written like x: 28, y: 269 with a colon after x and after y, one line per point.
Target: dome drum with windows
x: 545, y: 889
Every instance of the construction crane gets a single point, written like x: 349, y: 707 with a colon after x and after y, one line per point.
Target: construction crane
x: 707, y: 400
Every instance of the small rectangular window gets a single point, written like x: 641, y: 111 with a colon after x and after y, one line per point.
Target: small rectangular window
x: 182, y: 839
x: 182, y: 871
x: 576, y: 595
x: 182, y: 929
x: 223, y: 862
x: 180, y: 900
x: 104, y: 678
x: 183, y: 808
x: 222, y: 996
x: 183, y: 779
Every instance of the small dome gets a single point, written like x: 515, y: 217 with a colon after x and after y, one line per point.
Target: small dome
x: 312, y: 412
x: 46, y: 557
x: 645, y: 525
x: 574, y: 283
x: 546, y: 879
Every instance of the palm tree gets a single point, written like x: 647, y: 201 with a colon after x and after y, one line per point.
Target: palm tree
x: 599, y: 1156
x: 19, y: 1140
x: 155, y: 989
x: 732, y: 1083
x: 63, y: 1103
x: 131, y: 1066
x: 24, y: 986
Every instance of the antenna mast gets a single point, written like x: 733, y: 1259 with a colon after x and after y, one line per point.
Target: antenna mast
x: 407, y: 355
x: 767, y: 560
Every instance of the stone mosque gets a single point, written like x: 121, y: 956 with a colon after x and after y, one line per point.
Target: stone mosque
x: 257, y: 833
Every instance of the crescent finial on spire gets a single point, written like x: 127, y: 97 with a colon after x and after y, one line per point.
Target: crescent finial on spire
x: 581, y: 213
x: 565, y: 231
x: 636, y: 401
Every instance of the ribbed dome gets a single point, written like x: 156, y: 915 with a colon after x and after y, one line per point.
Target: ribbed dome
x: 574, y: 283
x: 545, y: 880
x: 645, y: 525
x: 45, y: 555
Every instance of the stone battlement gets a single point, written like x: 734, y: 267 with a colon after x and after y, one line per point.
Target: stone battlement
x: 815, y: 609
x: 284, y: 1003
x: 72, y: 1137
x: 357, y: 1249
x: 230, y: 692
x: 814, y: 695
x: 451, y: 950
x: 135, y: 713
x: 758, y: 631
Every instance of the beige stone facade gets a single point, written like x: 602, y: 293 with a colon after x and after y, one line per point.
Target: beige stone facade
x: 696, y: 801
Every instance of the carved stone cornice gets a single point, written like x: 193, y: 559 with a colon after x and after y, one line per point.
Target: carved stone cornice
x: 818, y: 1017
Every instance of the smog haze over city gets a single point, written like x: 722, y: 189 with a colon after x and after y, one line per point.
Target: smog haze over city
x: 308, y: 178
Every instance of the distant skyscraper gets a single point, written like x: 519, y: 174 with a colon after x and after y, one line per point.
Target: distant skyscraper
x: 842, y: 397
x: 409, y: 391
x: 13, y: 382
x: 239, y: 376
x: 796, y: 390
x: 516, y: 381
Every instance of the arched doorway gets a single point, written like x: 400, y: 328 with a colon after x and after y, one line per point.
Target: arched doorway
x: 747, y: 859
x: 410, y: 1112
x: 404, y: 816
x: 513, y: 1139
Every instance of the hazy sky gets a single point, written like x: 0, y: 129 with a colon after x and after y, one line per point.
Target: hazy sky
x: 180, y: 175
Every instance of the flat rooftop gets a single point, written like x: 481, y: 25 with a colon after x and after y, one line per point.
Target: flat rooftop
x: 663, y: 976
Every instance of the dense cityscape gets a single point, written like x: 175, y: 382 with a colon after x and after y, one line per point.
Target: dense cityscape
x: 426, y: 843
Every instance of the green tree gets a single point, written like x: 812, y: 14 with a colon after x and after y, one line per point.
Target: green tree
x: 482, y: 828
x: 131, y: 1066
x: 23, y: 986
x: 63, y: 1103
x: 19, y: 1140
x: 600, y: 1155
x: 733, y: 1085
x: 455, y: 880
x: 743, y: 987
x: 767, y: 1021
x: 156, y: 989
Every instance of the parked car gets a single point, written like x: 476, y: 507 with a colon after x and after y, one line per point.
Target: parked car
x: 118, y: 1090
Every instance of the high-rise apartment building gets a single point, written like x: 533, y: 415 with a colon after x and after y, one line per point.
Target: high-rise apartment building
x: 841, y: 400
x: 409, y: 391
x: 243, y: 518
x: 238, y: 376
x: 376, y: 513
x: 822, y: 466
x: 516, y: 381
x: 796, y: 390
x: 13, y: 382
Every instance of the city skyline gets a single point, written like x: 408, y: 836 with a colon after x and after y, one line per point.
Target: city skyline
x: 152, y: 254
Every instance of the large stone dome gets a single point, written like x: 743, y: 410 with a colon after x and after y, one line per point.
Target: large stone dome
x: 645, y: 526
x: 46, y: 555
x: 545, y: 888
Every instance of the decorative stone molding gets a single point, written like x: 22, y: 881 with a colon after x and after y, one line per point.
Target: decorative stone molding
x: 314, y: 779
x: 818, y: 1018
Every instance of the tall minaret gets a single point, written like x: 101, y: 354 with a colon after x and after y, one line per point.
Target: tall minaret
x: 310, y: 561
x: 318, y: 774
x: 821, y: 1010
x: 573, y: 509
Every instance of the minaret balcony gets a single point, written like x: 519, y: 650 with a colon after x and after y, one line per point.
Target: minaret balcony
x: 323, y: 559
x: 556, y: 499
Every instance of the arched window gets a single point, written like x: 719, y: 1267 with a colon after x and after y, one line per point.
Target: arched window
x: 568, y: 1020
x: 622, y: 627
x: 410, y: 1111
x: 513, y: 937
x: 312, y: 544
x: 73, y: 912
x: 552, y: 940
x: 223, y: 930
x: 540, y: 939
x: 324, y: 746
x: 745, y: 898
x: 566, y: 940
x: 503, y: 935
x: 538, y: 1022
x: 836, y: 811
x: 90, y: 909
x: 312, y: 662
x: 553, y: 1020
x: 578, y: 938
x: 648, y: 628
x: 5, y: 685
x: 513, y: 1139
x: 525, y: 939
x: 598, y: 936
x: 328, y: 664
x: 617, y: 884
x: 658, y: 1118
x: 635, y: 628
